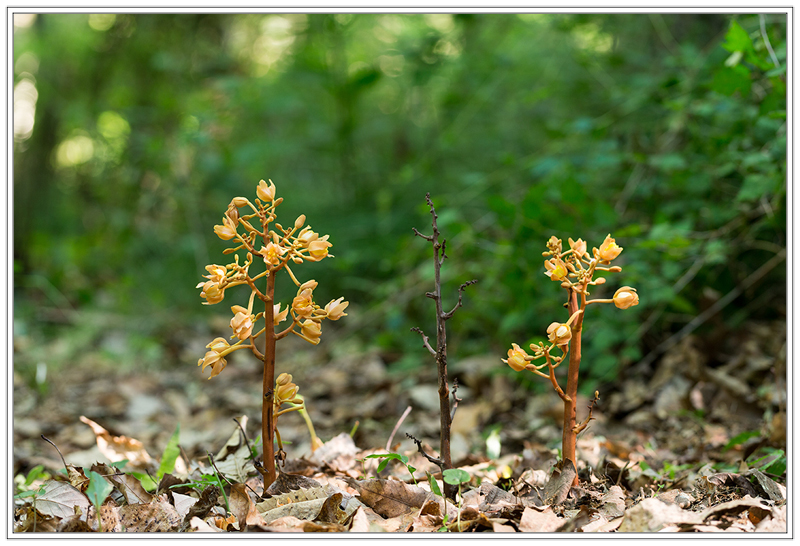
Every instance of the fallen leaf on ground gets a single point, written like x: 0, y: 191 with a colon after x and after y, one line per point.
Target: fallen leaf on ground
x: 119, y: 448
x: 539, y: 521
x: 243, y: 507
x: 156, y: 516
x: 390, y: 498
x: 61, y: 499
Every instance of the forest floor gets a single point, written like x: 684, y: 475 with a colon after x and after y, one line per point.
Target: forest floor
x: 695, y: 444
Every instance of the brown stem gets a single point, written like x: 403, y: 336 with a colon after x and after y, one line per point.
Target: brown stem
x: 569, y: 438
x: 267, y: 426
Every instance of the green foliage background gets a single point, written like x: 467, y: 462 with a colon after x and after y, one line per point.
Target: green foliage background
x: 667, y: 131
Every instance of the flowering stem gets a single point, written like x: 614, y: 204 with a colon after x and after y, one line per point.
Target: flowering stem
x: 267, y: 425
x: 569, y: 437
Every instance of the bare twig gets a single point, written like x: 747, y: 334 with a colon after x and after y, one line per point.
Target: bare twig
x: 460, y: 292
x: 434, y: 460
x: 424, y: 340
x: 456, y: 400
x: 394, y: 431
x: 585, y: 423
x: 59, y: 452
x: 440, y: 353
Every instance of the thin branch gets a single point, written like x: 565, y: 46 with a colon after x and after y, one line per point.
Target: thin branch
x: 59, y: 452
x: 580, y: 427
x: 456, y: 400
x: 461, y: 288
x: 424, y: 340
x: 426, y: 237
x: 394, y: 431
x: 434, y: 460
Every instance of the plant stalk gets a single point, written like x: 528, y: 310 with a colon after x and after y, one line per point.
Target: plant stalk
x: 569, y: 437
x: 267, y: 409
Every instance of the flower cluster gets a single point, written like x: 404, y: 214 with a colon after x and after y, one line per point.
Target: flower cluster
x: 243, y: 223
x: 575, y: 270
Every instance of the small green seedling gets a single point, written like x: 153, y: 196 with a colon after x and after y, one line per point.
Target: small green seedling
x: 392, y: 457
x: 98, y: 491
x: 171, y: 454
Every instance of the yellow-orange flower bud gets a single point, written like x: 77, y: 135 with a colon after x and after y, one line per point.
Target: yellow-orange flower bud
x: 556, y: 269
x: 609, y: 249
x: 239, y: 201
x: 554, y: 244
x: 283, y: 379
x: 559, y: 333
x: 286, y: 392
x: 626, y: 297
x: 219, y: 344
x: 517, y: 358
x: 335, y: 309
x: 264, y: 192
x: 311, y: 331
x: 308, y: 285
x: 300, y: 221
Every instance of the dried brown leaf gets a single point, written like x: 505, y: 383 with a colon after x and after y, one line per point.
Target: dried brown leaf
x: 243, y: 507
x: 157, y: 516
x: 31, y: 521
x: 61, y: 500
x: 331, y: 511
x: 539, y: 520
x: 197, y: 525
x: 390, y: 498
x: 200, y: 509
x: 119, y: 448
x: 72, y: 525
x: 286, y: 483
x: 183, y: 503
x: 557, y: 488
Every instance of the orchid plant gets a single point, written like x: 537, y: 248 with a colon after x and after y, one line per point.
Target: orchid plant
x: 575, y: 270
x: 278, y: 246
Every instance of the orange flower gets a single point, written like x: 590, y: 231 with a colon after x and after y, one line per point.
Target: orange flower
x: 264, y: 192
x: 626, y: 297
x: 318, y: 249
x: 216, y: 273
x: 608, y: 250
x: 242, y: 322
x: 307, y: 236
x: 214, y: 357
x: 559, y: 333
x: 272, y: 253
x: 578, y: 247
x: 311, y: 331
x: 303, y: 303
x: 517, y: 358
x: 227, y: 230
x: 212, y: 292
x: 556, y: 269
x: 335, y: 309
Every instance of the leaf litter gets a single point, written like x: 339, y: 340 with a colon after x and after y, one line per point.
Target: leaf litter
x: 648, y: 463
